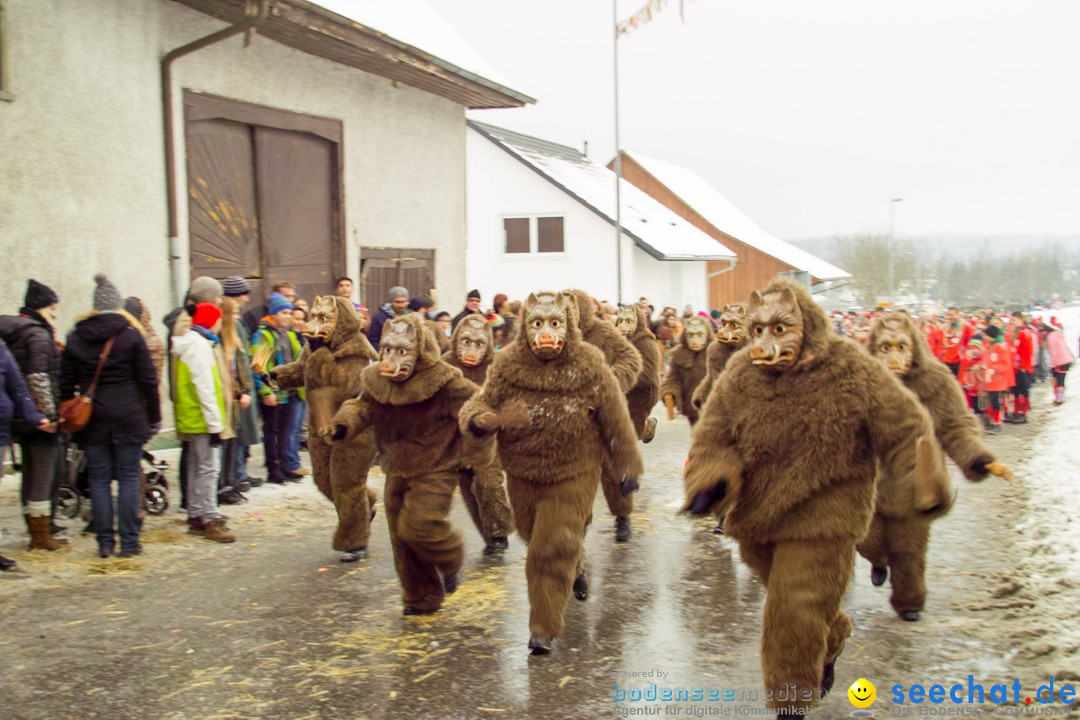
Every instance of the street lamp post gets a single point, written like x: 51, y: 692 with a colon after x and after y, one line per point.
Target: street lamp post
x: 892, y: 218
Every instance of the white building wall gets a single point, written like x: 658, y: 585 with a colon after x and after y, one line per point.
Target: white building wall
x: 82, y: 186
x: 500, y: 185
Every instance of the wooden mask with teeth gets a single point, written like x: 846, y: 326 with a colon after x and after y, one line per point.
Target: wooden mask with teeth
x: 696, y: 332
x: 776, y: 330
x: 472, y: 341
x: 399, y: 351
x: 892, y: 341
x: 626, y: 321
x: 318, y: 330
x: 732, y: 324
x: 547, y: 322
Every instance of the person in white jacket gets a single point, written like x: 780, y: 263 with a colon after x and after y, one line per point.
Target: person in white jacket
x: 203, y: 416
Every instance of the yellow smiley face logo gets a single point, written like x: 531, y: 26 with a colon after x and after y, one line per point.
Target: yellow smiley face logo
x: 862, y: 693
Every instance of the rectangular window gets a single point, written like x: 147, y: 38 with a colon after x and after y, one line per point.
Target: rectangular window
x: 550, y: 234
x: 517, y: 234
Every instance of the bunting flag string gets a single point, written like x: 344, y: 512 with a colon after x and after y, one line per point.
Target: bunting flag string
x: 650, y: 10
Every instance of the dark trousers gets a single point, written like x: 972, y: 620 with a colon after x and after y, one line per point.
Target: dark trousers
x: 1059, y: 374
x: 954, y: 368
x: 39, y: 470
x: 104, y: 463
x: 276, y: 423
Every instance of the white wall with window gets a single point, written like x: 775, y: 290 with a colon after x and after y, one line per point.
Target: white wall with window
x: 524, y: 233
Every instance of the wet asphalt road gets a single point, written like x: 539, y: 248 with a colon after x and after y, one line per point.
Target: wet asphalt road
x: 274, y: 627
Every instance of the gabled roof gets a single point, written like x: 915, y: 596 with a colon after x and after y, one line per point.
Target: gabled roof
x: 704, y: 199
x: 655, y: 229
x: 402, y: 40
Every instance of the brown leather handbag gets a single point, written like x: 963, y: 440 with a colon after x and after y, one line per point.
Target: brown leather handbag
x: 75, y: 412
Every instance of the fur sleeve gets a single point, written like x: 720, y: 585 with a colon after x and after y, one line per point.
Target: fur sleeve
x: 897, y: 422
x: 291, y: 375
x: 701, y: 392
x: 475, y: 452
x: 957, y: 429
x: 626, y: 360
x: 616, y: 428
x: 355, y: 415
x: 713, y: 457
x: 483, y: 401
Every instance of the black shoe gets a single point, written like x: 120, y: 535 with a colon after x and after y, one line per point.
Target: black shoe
x: 878, y: 575
x: 131, y: 553
x: 292, y: 477
x: 450, y: 583
x: 910, y: 615
x: 622, y: 529
x: 243, y: 486
x: 581, y: 586
x: 719, y: 529
x: 104, y: 553
x: 497, y: 545
x: 229, y: 496
x: 354, y: 555
x: 539, y: 645
x: 828, y: 676
x: 410, y: 610
x: 276, y: 481
x: 1020, y: 420
x: 254, y: 481
x: 55, y: 529
x: 7, y: 563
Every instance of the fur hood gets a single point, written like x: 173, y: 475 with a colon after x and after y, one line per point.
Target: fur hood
x: 489, y: 356
x: 920, y: 351
x: 573, y: 344
x: 429, y: 376
x: 348, y: 338
x: 818, y: 334
x: 641, y: 330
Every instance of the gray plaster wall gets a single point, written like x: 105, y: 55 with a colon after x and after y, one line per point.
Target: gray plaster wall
x: 82, y: 185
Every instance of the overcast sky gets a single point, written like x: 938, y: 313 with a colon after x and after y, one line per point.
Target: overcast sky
x: 811, y: 115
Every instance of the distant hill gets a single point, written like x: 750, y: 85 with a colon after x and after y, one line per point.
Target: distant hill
x: 956, y: 245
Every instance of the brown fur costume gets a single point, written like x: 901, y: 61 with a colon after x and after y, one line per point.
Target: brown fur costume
x: 730, y: 337
x: 624, y: 360
x: 421, y: 452
x: 330, y: 376
x: 576, y: 421
x: 481, y: 488
x: 898, y: 539
x: 686, y: 371
x: 787, y: 449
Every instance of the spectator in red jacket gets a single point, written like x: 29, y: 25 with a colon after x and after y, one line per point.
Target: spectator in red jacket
x: 999, y: 373
x: 953, y: 341
x: 1022, y: 341
x: 935, y: 337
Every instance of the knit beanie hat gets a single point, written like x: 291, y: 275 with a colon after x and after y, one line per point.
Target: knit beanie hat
x: 206, y: 315
x: 205, y: 289
x: 976, y: 340
x: 992, y: 332
x: 235, y: 286
x: 396, y: 292
x: 106, y: 296
x: 474, y: 295
x: 39, y: 295
x: 277, y: 303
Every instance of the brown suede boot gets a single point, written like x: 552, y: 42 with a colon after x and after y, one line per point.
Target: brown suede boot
x: 40, y: 537
x: 218, y: 531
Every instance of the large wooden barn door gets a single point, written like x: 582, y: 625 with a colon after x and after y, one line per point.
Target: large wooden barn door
x: 264, y: 195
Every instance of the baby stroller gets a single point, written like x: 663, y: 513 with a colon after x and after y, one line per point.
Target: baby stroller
x: 75, y: 486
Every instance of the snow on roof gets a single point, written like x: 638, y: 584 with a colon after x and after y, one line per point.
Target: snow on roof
x: 725, y: 217
x: 653, y: 227
x: 416, y: 23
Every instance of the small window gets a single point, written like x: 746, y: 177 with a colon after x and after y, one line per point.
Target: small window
x: 550, y: 234
x: 517, y: 235
x: 4, y: 94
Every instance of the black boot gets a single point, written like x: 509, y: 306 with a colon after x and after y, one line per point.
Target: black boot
x: 497, y: 545
x: 7, y: 563
x: 450, y: 583
x: 581, y: 586
x: 828, y: 676
x: 410, y: 610
x: 540, y: 645
x: 909, y: 615
x: 878, y: 575
x: 719, y: 529
x: 354, y: 555
x: 622, y: 529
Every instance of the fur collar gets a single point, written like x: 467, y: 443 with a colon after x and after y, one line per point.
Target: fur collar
x: 424, y: 383
x: 573, y: 370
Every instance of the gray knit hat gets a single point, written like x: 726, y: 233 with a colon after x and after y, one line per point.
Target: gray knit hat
x: 106, y: 296
x: 205, y: 289
x: 396, y: 292
x: 235, y: 286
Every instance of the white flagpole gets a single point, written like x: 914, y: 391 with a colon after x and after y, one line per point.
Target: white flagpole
x: 618, y: 163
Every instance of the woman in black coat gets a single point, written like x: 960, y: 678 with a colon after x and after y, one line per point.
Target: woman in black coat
x: 126, y: 412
